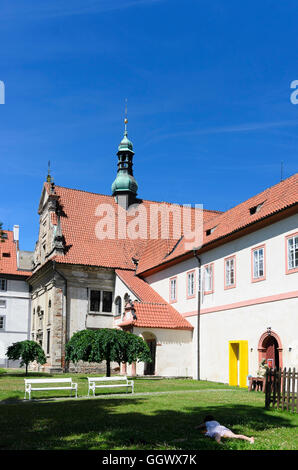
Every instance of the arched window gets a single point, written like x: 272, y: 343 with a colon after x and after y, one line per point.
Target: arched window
x: 118, y: 304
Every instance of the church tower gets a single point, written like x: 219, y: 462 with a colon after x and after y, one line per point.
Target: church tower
x: 125, y: 187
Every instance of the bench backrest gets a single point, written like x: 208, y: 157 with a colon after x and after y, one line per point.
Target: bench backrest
x: 106, y: 379
x: 44, y: 381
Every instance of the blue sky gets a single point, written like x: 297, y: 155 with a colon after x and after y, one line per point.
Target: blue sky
x: 208, y: 90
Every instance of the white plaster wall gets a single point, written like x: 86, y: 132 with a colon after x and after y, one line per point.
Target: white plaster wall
x: 245, y: 323
x: 121, y: 289
x: 276, y: 282
x: 173, y: 352
x: 16, y: 313
x: 78, y: 312
x: 78, y: 308
x: 160, y: 282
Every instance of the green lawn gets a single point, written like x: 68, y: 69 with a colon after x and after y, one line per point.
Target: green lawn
x: 150, y: 422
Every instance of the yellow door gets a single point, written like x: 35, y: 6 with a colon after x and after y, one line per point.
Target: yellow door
x: 238, y: 363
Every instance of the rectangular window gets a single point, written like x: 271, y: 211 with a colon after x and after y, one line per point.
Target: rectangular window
x: 48, y: 341
x: 208, y: 279
x: 190, y: 284
x: 101, y: 301
x: 94, y: 300
x: 107, y: 301
x: 2, y: 303
x: 230, y: 280
x: 292, y: 253
x: 258, y: 263
x: 2, y: 323
x: 173, y: 289
x: 3, y: 284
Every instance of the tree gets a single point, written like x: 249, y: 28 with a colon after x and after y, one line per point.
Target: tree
x: 79, y: 346
x: 108, y: 345
x: 28, y: 351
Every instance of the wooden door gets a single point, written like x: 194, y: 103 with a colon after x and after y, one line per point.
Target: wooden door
x: 150, y: 366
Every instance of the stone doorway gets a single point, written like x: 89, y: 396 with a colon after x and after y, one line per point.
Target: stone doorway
x: 270, y: 349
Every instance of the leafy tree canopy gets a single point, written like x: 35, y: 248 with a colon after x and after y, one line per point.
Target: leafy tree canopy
x: 106, y: 344
x: 27, y: 351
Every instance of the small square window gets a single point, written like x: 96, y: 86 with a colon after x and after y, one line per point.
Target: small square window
x: 2, y: 303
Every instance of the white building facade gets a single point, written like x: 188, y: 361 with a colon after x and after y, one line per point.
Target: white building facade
x: 15, y: 303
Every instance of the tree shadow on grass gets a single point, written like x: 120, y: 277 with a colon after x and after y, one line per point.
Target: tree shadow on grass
x: 137, y: 423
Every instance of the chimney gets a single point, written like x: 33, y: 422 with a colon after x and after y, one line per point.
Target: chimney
x: 16, y: 231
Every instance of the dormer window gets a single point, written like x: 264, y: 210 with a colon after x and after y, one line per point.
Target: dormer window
x: 210, y: 230
x: 255, y: 209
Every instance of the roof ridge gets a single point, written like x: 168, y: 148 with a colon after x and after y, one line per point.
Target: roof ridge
x: 142, y: 199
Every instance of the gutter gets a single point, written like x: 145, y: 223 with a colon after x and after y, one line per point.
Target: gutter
x: 195, y: 253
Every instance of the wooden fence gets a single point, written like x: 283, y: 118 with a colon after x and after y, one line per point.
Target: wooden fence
x: 281, y: 389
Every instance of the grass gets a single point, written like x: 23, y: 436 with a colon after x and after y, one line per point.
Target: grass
x: 149, y: 422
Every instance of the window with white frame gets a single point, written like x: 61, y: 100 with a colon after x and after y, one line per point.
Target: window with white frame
x: 208, y: 278
x: 230, y: 272
x: 191, y: 284
x: 173, y: 289
x: 292, y: 252
x: 258, y: 263
x: 3, y: 284
x: 2, y: 303
x: 100, y: 301
x: 118, y: 304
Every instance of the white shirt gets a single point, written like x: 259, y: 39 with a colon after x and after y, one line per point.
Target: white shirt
x: 213, y: 428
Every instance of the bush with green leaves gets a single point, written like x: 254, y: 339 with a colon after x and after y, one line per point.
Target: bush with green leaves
x: 106, y: 344
x: 27, y: 351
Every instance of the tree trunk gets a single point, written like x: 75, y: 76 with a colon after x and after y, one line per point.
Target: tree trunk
x: 26, y: 369
x: 108, y: 368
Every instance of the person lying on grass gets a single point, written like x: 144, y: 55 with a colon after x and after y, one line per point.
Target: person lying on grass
x: 217, y: 431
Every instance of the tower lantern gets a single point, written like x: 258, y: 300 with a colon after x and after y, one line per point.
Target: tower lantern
x: 125, y: 187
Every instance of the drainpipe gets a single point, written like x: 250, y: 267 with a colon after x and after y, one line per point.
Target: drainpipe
x: 66, y: 326
x: 199, y: 313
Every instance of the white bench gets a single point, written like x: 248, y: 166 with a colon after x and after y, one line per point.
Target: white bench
x: 34, y: 384
x: 101, y: 382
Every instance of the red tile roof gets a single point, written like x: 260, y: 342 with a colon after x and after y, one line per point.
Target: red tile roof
x: 152, y: 311
x: 8, y: 264
x: 79, y: 223
x: 141, y: 289
x: 271, y: 201
x: 150, y: 315
x: 83, y: 247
